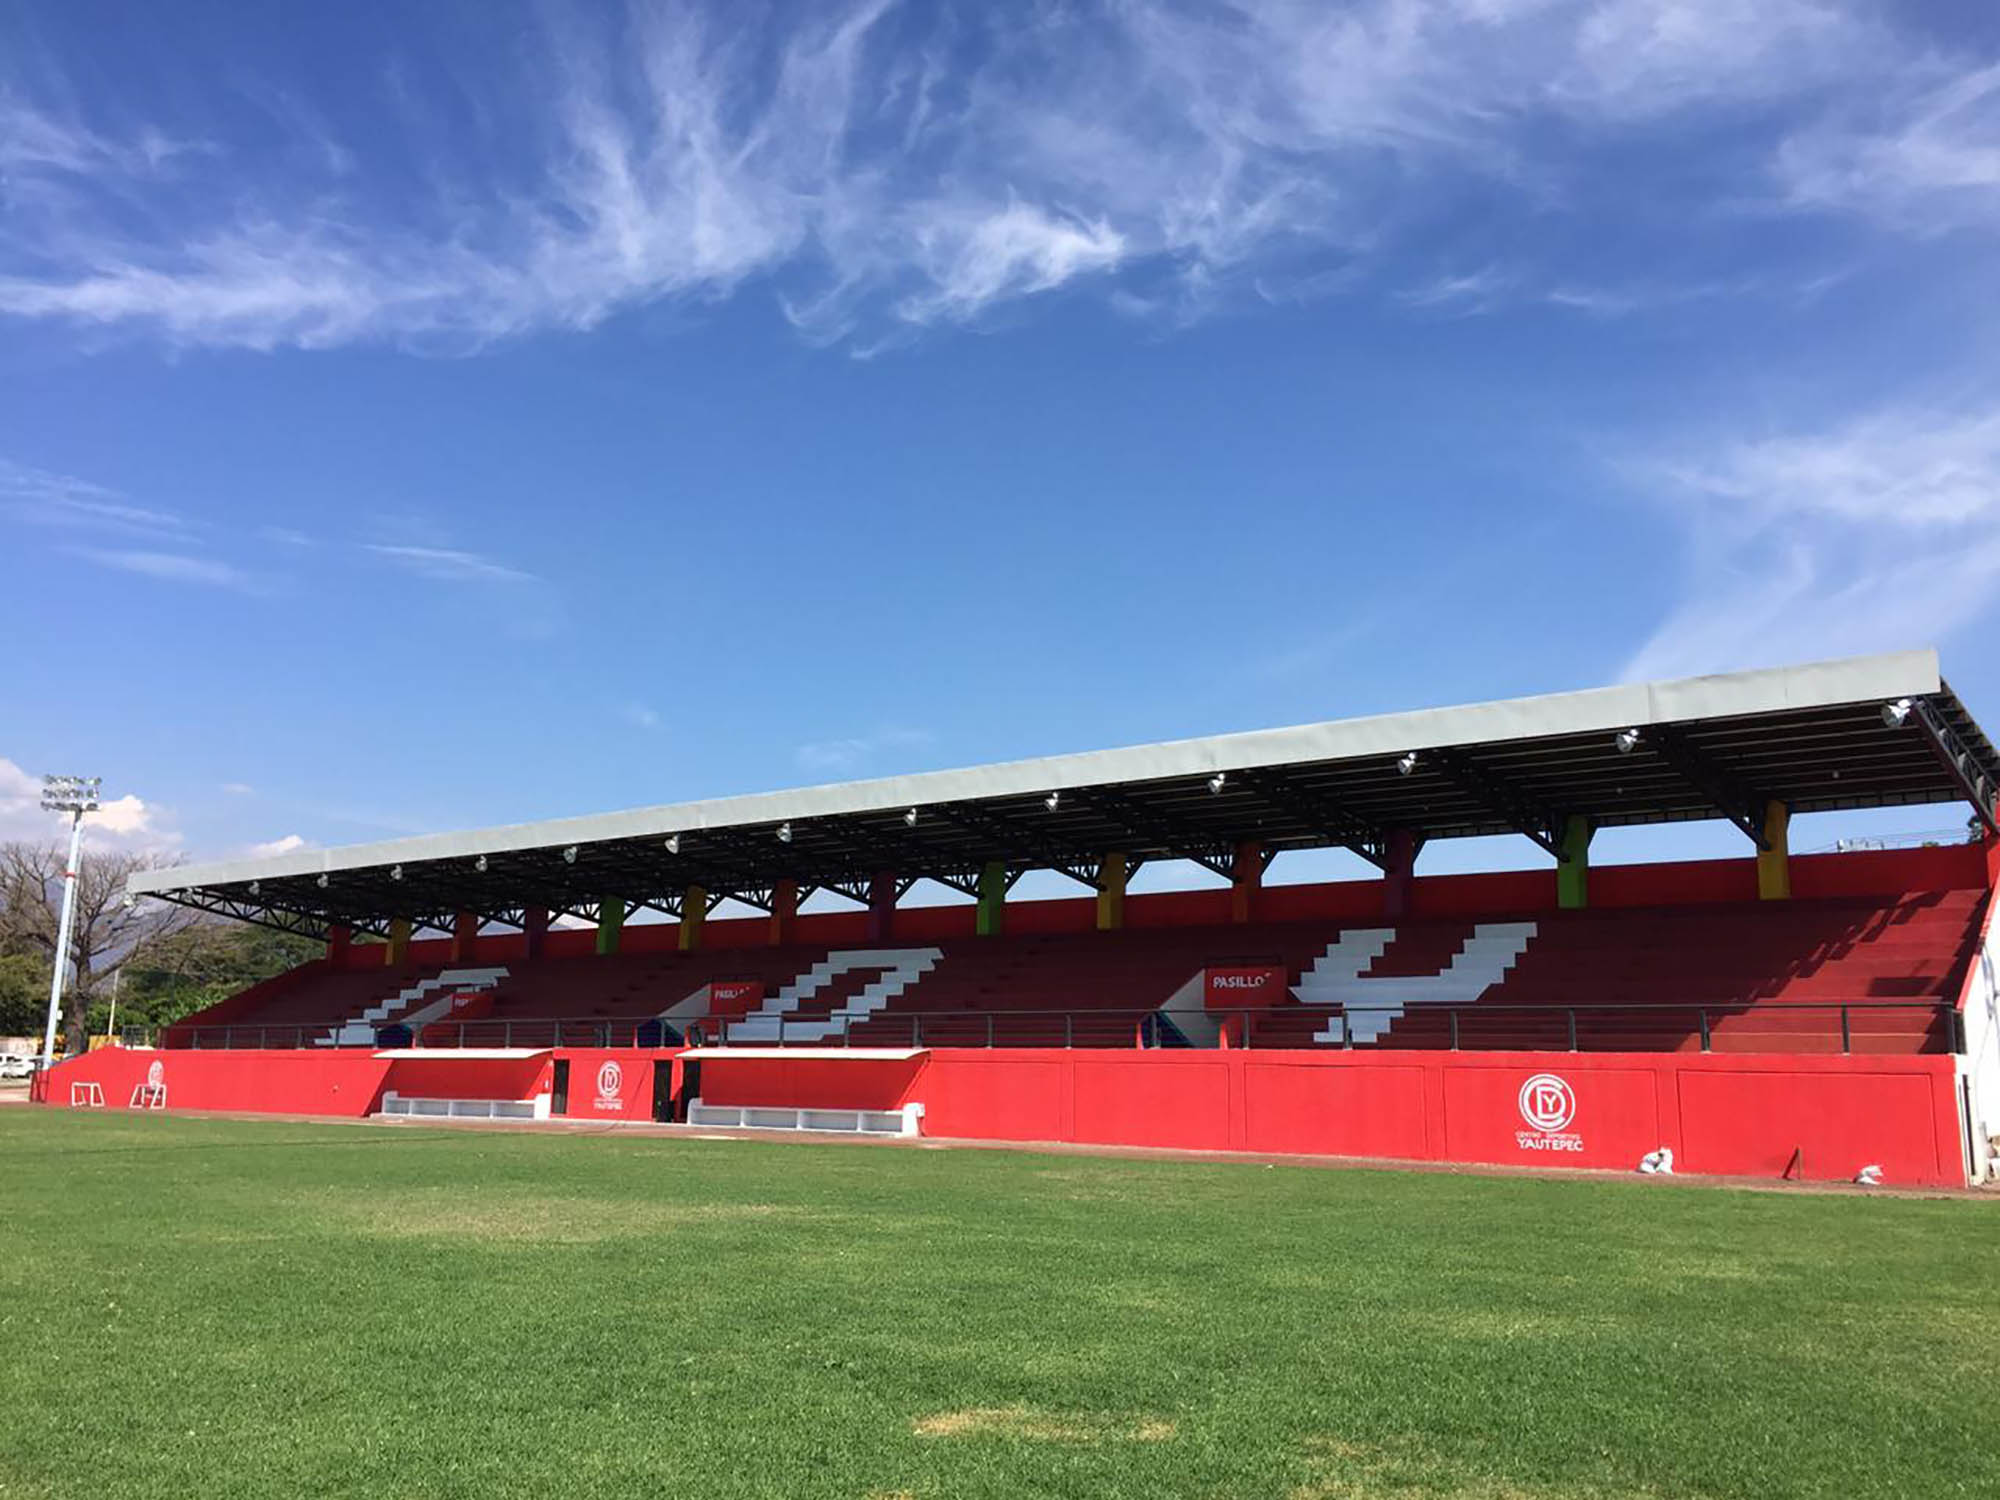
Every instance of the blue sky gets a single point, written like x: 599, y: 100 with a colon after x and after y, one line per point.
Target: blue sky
x: 430, y: 416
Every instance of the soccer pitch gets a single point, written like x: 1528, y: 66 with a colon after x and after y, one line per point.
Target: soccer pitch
x: 208, y: 1308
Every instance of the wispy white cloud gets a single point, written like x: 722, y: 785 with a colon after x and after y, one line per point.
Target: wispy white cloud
x: 1923, y: 161
x: 859, y: 750
x: 290, y: 843
x: 449, y: 564
x: 40, y: 497
x: 895, y: 167
x: 239, y: 789
x: 173, y: 567
x: 1881, y: 532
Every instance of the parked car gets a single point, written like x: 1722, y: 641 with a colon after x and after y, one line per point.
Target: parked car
x: 13, y: 1065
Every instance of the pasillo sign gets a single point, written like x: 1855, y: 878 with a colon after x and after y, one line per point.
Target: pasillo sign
x: 1548, y: 1108
x: 734, y: 997
x: 1243, y: 984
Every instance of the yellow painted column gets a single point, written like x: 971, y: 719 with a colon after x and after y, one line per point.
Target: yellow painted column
x: 694, y: 907
x: 1774, y: 865
x: 1111, y: 893
x: 397, y: 953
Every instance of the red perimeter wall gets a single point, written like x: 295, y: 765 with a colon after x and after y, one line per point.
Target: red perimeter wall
x: 1733, y: 1114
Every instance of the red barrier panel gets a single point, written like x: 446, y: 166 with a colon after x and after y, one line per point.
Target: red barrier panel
x: 809, y: 1082
x: 611, y: 1085
x: 1734, y: 1115
x: 324, y: 1082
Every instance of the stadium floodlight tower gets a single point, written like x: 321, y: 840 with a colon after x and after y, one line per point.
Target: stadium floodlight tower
x: 75, y: 795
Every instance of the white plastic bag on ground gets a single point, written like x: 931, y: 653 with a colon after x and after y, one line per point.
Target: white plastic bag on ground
x: 1660, y: 1162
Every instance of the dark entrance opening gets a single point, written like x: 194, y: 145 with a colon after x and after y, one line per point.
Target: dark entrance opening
x: 690, y: 1089
x: 559, y: 1103
x: 663, y: 1090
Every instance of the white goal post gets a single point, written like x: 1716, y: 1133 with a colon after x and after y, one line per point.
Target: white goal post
x: 86, y: 1096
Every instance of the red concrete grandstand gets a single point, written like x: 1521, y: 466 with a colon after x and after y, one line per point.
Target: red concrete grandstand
x: 1815, y: 1015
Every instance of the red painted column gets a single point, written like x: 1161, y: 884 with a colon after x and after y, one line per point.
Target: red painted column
x: 339, y: 941
x: 784, y: 911
x: 881, y: 906
x: 1400, y: 873
x: 535, y: 927
x: 464, y: 932
x: 1246, y: 879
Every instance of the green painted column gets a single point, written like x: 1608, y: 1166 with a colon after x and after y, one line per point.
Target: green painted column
x: 1573, y: 863
x: 610, y: 924
x: 1111, y: 893
x: 1774, y: 865
x: 397, y: 952
x: 694, y: 907
x: 992, y: 898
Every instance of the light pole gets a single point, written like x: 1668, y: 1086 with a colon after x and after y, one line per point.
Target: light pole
x: 75, y: 795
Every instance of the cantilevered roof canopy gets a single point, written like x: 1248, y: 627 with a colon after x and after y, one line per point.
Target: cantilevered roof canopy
x: 1816, y: 738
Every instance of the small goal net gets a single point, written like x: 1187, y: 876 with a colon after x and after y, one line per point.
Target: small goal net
x: 148, y: 1096
x: 86, y: 1096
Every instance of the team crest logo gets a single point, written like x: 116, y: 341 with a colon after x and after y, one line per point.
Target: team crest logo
x: 610, y: 1083
x: 156, y: 1074
x: 1547, y: 1103
x: 1548, y: 1106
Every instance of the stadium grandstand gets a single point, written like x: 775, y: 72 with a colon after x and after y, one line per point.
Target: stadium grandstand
x: 1810, y: 1016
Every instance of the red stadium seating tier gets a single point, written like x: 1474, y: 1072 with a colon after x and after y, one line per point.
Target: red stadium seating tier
x: 1763, y: 977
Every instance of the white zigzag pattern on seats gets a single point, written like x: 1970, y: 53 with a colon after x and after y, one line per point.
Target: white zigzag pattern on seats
x: 1335, y: 977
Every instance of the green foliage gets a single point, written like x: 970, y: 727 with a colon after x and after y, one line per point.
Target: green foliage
x: 24, y: 994
x: 230, y: 1309
x: 191, y: 969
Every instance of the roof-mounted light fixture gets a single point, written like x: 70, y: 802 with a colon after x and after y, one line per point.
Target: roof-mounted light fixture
x: 321, y: 882
x: 673, y: 843
x: 569, y: 855
x: 1052, y: 801
x: 479, y: 864
x: 256, y: 887
x: 785, y: 832
x: 395, y: 872
x: 1627, y: 740
x: 1217, y: 782
x: 1406, y: 762
x: 1895, y: 714
x: 910, y: 818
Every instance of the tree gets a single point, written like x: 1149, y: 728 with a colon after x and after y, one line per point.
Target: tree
x: 106, y: 931
x: 189, y: 970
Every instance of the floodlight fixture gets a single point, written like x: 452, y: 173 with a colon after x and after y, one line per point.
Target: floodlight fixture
x: 1052, y: 801
x: 784, y: 833
x: 1627, y: 740
x: 396, y: 872
x: 1894, y: 715
x: 479, y: 864
x: 910, y: 818
x: 1406, y: 763
x: 75, y: 795
x: 673, y: 843
x: 322, y: 882
x: 256, y: 887
x: 569, y: 855
x: 1217, y: 782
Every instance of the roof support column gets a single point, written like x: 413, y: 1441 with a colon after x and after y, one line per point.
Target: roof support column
x: 535, y: 928
x: 1111, y: 893
x: 784, y: 911
x: 397, y: 953
x: 1774, y: 861
x: 464, y: 929
x: 339, y: 942
x: 881, y: 905
x: 1246, y: 878
x: 694, y: 907
x: 1399, y: 871
x: 610, y: 924
x: 1573, y: 863
x: 992, y: 919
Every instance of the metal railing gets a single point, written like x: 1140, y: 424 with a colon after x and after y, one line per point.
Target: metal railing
x: 1419, y: 1025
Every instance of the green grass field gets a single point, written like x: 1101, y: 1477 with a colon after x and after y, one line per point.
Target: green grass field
x: 195, y: 1308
